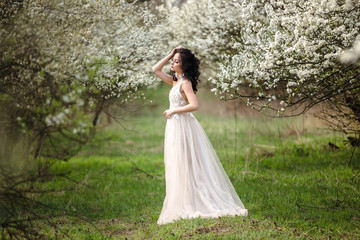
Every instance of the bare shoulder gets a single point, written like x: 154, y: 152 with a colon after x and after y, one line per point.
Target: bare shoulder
x: 186, y: 86
x: 186, y: 83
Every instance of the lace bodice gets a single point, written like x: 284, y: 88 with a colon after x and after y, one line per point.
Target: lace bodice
x: 177, y: 100
x: 175, y: 97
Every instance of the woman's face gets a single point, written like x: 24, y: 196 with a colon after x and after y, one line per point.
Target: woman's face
x: 176, y: 63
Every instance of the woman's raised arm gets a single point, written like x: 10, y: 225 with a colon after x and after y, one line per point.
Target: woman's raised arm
x: 157, y: 69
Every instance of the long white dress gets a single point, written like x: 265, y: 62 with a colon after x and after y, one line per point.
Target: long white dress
x: 196, y: 183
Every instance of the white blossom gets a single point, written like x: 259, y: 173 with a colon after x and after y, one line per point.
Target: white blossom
x: 351, y: 55
x: 290, y: 48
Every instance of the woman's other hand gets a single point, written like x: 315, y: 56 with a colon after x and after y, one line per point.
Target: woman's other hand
x: 168, y: 113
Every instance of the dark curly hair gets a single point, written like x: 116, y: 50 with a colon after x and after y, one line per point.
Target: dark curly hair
x: 190, y: 67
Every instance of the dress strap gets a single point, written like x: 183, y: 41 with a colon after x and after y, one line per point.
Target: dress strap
x: 181, y: 79
x: 182, y: 76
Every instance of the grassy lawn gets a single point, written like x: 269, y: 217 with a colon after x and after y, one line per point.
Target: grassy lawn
x: 292, y: 183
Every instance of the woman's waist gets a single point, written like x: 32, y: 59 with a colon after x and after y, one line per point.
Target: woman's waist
x: 182, y: 114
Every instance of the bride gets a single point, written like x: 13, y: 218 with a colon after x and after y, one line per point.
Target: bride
x: 196, y: 183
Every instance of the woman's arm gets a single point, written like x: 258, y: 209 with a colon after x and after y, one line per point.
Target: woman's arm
x: 157, y: 69
x: 190, y: 95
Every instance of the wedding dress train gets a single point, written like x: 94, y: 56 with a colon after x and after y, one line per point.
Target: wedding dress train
x: 196, y: 183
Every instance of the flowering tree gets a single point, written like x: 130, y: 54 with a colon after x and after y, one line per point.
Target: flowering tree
x: 62, y: 62
x: 289, y: 51
x: 279, y: 55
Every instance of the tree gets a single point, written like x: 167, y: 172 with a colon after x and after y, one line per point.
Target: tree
x: 61, y: 64
x: 285, y: 56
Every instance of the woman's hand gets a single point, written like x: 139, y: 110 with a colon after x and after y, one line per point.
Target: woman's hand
x: 168, y: 113
x: 174, y: 50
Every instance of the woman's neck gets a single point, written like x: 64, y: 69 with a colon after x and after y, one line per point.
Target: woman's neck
x: 179, y: 75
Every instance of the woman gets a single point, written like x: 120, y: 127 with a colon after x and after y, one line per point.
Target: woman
x: 196, y: 183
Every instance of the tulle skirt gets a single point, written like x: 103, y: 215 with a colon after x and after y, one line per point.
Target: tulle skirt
x: 196, y: 183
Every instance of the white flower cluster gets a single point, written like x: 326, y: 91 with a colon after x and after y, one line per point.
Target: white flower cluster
x: 60, y: 118
x: 351, y: 55
x: 289, y: 50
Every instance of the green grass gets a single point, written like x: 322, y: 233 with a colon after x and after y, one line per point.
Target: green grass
x: 293, y: 185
